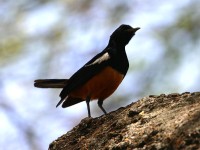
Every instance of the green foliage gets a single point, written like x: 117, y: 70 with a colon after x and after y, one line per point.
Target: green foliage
x: 10, y: 48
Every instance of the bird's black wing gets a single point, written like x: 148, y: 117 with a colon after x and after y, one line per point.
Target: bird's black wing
x: 91, y: 68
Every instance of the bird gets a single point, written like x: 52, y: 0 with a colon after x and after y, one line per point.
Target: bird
x: 99, y: 77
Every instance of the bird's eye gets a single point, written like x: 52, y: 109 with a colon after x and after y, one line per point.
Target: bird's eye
x: 125, y: 27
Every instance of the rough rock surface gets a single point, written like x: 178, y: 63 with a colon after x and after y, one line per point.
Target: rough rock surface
x: 155, y: 122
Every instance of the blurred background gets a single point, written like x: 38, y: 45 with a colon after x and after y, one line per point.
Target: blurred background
x: 52, y: 39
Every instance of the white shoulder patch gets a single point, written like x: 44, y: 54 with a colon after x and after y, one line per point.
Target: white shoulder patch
x: 101, y: 59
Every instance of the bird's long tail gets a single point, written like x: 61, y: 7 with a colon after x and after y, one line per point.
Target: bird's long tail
x: 50, y: 83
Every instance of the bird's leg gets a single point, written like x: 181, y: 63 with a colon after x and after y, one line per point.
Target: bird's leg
x: 88, y: 105
x: 100, y: 103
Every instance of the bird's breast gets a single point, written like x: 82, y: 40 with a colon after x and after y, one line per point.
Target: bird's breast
x: 100, y: 86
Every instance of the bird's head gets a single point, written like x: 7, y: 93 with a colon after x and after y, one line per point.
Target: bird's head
x: 122, y: 35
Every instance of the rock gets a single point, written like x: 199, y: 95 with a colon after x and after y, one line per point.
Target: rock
x: 155, y: 122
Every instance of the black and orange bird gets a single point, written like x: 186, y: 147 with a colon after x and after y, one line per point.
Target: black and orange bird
x: 99, y: 77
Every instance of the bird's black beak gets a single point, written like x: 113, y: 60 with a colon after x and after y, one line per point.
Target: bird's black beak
x: 133, y: 29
